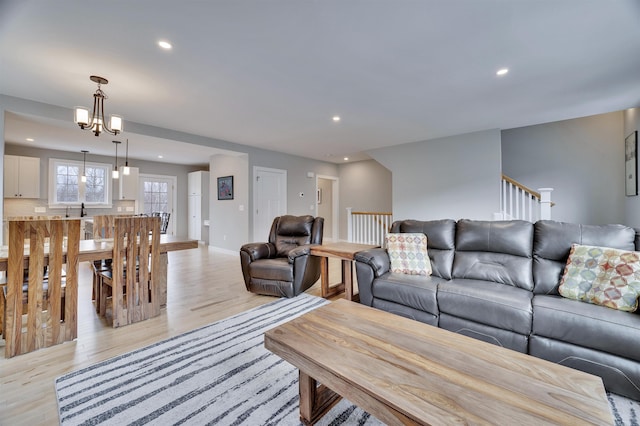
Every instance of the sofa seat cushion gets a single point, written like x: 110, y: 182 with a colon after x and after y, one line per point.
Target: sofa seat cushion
x: 414, y: 291
x: 498, y: 305
x: 586, y: 325
x: 495, y: 336
x: 405, y: 311
x: 277, y: 269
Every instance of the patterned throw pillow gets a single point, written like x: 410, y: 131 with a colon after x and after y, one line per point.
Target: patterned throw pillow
x: 603, y: 276
x: 408, y: 253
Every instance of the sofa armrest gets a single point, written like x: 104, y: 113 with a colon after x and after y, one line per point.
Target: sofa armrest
x: 370, y: 264
x: 377, y: 259
x: 257, y: 251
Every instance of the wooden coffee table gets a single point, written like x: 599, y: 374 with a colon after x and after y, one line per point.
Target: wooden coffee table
x: 405, y: 372
x: 345, y: 252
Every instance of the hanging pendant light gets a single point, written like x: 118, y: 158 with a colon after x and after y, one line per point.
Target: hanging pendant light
x: 126, y: 170
x: 97, y: 123
x: 83, y: 178
x: 116, y: 174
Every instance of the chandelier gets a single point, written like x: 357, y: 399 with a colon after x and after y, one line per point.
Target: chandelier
x: 96, y: 123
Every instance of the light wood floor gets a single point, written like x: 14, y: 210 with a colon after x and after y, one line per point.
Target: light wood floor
x: 204, y: 286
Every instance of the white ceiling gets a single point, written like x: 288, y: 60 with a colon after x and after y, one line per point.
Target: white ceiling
x: 271, y: 74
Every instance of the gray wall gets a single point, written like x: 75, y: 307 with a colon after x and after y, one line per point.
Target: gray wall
x: 364, y: 186
x: 632, y: 204
x: 582, y: 159
x: 453, y: 177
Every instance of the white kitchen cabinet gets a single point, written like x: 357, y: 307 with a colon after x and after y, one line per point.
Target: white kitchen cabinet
x: 196, y: 181
x: 195, y: 206
x: 198, y: 208
x: 21, y: 177
x: 129, y: 184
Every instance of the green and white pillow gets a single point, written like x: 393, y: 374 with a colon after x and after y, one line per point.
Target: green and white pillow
x: 603, y: 276
x: 408, y: 253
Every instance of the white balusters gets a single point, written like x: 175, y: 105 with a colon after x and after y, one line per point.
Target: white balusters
x: 367, y: 227
x: 519, y: 202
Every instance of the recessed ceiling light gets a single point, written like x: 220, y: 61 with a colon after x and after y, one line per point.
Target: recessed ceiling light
x: 160, y: 156
x: 165, y: 44
x: 502, y: 71
x: 346, y: 158
x: 336, y: 118
x: 30, y: 139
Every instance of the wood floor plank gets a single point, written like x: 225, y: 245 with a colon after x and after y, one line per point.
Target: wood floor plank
x: 204, y: 285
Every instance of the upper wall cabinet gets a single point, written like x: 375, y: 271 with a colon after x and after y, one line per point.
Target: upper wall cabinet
x: 21, y: 177
x: 196, y: 182
x: 129, y: 184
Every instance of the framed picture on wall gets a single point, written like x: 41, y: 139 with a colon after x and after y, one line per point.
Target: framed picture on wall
x: 225, y: 188
x: 631, y: 163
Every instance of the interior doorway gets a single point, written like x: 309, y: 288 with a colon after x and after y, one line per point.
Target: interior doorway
x: 269, y: 199
x: 327, y: 196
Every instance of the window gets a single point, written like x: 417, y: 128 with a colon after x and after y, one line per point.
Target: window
x: 155, y: 196
x: 95, y: 187
x: 67, y: 179
x: 67, y: 188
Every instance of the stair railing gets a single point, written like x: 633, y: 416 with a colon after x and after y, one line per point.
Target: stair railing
x: 520, y: 202
x: 368, y: 227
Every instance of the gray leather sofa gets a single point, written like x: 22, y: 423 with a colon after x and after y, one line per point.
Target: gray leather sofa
x: 497, y: 281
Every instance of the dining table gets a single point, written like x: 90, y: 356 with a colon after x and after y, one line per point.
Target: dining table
x: 102, y: 249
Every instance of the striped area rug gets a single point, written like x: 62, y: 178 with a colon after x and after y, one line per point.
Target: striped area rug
x: 219, y: 374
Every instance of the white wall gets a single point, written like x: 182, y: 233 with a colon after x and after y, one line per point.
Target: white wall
x: 454, y: 177
x: 632, y: 204
x: 582, y: 159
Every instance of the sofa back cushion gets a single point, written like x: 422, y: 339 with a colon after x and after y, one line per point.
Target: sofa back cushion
x: 497, y: 251
x: 440, y: 241
x: 552, y: 244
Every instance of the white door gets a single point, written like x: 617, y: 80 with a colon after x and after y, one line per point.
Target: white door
x: 157, y: 194
x: 269, y: 199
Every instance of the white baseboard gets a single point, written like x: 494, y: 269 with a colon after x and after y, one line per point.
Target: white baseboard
x: 224, y: 250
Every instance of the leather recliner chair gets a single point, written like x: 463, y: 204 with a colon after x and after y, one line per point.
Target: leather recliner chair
x: 283, y: 267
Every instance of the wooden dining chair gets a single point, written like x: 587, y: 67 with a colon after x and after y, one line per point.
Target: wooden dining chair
x: 40, y: 301
x: 131, y: 282
x: 164, y: 220
x: 103, y: 228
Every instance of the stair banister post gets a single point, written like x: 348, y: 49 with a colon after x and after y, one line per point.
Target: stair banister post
x: 545, y: 203
x: 349, y: 224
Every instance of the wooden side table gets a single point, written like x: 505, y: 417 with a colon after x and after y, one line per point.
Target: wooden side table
x: 346, y: 253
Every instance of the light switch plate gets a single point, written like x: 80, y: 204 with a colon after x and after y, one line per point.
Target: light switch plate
x: 40, y: 210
